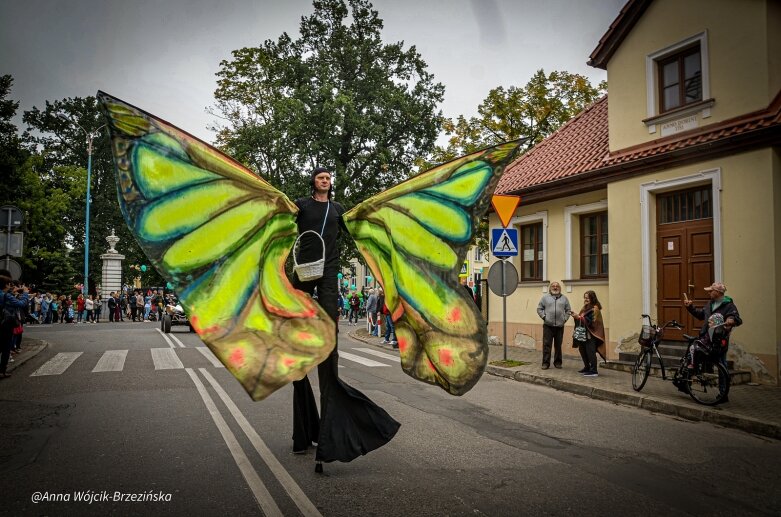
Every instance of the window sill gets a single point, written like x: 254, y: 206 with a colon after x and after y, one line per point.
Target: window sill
x: 667, y: 116
x: 592, y: 281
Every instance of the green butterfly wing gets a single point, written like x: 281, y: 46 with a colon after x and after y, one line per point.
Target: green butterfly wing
x: 220, y: 235
x: 414, y: 238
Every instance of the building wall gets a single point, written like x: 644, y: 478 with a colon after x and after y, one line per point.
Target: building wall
x: 524, y: 327
x: 750, y: 260
x: 743, y: 41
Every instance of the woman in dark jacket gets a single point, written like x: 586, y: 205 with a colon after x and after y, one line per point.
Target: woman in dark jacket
x: 591, y: 316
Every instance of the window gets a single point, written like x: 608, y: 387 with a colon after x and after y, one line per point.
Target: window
x: 687, y: 205
x: 478, y: 254
x: 680, y: 79
x: 531, y: 252
x: 594, y: 248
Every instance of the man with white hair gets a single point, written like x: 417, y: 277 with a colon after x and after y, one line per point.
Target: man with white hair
x: 554, y: 310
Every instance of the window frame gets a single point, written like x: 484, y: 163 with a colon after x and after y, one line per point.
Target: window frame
x: 654, y: 119
x: 679, y: 58
x: 538, y: 246
x: 599, y: 256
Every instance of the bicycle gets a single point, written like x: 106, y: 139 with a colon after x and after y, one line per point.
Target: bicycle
x: 707, y: 382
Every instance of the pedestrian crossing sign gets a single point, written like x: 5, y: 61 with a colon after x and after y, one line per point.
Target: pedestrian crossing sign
x: 464, y: 270
x: 504, y: 242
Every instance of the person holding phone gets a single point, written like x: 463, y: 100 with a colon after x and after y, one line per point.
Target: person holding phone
x: 721, y: 304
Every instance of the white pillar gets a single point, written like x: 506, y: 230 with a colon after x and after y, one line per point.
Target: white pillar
x: 111, y: 279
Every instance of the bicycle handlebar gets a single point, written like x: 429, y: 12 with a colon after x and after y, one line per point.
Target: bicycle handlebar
x: 670, y: 324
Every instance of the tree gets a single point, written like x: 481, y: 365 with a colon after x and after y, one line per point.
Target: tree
x: 337, y: 96
x: 63, y: 148
x: 533, y: 111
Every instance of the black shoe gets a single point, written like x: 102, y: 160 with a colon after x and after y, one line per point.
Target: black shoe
x: 545, y: 366
x: 583, y: 370
x: 591, y: 373
x: 557, y: 366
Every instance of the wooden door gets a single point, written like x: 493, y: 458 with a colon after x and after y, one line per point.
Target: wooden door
x: 684, y: 265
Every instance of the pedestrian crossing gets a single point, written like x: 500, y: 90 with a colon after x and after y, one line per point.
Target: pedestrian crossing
x: 169, y: 359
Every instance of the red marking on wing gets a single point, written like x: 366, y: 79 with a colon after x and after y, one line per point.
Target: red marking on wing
x: 446, y: 356
x: 289, y: 361
x: 305, y: 336
x: 454, y: 316
x: 403, y: 344
x: 237, y: 358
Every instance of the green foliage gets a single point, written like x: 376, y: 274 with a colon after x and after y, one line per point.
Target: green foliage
x: 338, y: 97
x: 533, y: 111
x: 62, y: 146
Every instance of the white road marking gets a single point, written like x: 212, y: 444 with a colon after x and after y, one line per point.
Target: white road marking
x: 57, y: 364
x: 181, y: 345
x: 298, y: 496
x: 361, y: 360
x: 170, y: 343
x: 166, y: 359
x: 259, y: 490
x: 111, y: 361
x: 378, y: 354
x: 209, y: 355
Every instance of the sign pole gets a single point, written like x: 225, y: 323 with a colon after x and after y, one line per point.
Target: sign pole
x: 8, y: 241
x: 504, y: 311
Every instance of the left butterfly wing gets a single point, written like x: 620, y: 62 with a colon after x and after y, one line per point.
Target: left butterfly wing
x: 220, y: 235
x: 414, y: 238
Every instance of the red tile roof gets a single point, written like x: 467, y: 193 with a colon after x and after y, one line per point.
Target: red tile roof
x: 580, y: 148
x: 619, y: 29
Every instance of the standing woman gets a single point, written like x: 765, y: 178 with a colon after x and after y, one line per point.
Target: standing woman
x: 349, y: 424
x: 98, y: 308
x: 591, y: 316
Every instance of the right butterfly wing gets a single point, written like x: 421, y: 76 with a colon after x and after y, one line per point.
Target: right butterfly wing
x: 220, y: 235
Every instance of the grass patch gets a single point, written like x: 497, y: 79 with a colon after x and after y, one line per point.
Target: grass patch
x: 509, y: 363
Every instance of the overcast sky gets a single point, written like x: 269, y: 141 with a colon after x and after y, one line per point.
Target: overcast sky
x: 162, y: 55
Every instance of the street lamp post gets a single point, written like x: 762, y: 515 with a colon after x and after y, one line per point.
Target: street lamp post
x: 90, y: 136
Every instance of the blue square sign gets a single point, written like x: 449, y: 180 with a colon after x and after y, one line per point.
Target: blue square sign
x: 504, y: 242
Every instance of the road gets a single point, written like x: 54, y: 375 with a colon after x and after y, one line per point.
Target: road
x: 118, y: 409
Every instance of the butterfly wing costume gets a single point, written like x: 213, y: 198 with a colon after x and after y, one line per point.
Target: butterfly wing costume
x: 220, y: 235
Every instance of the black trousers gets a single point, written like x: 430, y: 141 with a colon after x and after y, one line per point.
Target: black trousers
x: 588, y: 352
x: 306, y: 421
x: 552, y: 336
x: 6, y: 341
x: 350, y: 424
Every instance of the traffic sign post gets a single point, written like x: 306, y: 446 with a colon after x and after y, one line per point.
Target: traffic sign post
x: 11, y: 217
x: 503, y: 281
x: 504, y: 242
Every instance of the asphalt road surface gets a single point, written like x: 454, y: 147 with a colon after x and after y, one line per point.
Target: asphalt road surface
x: 117, y: 419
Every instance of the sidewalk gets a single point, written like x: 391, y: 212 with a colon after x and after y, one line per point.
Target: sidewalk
x: 30, y: 348
x: 755, y: 409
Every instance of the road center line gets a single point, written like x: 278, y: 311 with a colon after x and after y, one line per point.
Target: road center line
x: 170, y: 343
x: 305, y: 506
x: 181, y: 345
x: 209, y: 355
x: 259, y: 490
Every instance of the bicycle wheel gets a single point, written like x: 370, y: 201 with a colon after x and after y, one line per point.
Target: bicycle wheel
x: 709, y: 383
x: 641, y: 369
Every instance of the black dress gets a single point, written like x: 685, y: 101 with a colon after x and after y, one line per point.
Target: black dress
x: 351, y: 425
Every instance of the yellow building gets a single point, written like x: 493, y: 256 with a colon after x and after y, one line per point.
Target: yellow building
x: 670, y: 184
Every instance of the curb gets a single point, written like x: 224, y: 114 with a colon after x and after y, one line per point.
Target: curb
x: 648, y: 403
x: 32, y: 348
x: 636, y: 400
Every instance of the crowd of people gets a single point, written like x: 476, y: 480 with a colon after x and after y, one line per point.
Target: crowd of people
x: 369, y: 303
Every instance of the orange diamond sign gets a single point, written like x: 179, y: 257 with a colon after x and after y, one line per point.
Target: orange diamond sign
x: 505, y: 207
